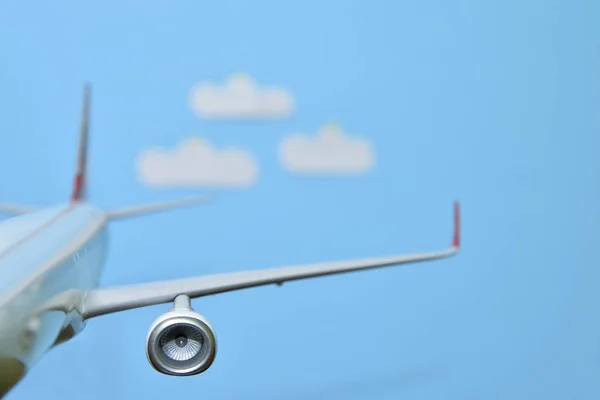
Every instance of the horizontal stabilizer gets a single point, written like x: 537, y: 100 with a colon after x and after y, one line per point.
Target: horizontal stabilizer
x: 135, y: 211
x: 15, y: 209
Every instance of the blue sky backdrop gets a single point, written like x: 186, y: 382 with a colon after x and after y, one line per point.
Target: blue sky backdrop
x: 493, y: 103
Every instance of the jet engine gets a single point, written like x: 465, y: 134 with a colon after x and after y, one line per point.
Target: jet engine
x: 181, y: 342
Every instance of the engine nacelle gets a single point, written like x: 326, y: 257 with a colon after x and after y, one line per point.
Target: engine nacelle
x: 181, y: 342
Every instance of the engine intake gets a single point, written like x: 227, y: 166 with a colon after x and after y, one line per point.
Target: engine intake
x: 181, y: 341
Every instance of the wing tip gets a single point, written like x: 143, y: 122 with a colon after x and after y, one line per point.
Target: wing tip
x: 456, y: 236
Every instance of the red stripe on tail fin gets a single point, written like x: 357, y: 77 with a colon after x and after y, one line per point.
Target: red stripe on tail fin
x: 78, y: 186
x: 80, y: 181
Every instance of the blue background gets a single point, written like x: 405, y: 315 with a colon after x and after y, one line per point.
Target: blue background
x: 494, y: 103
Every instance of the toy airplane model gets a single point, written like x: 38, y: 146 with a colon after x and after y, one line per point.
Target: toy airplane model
x: 51, y: 261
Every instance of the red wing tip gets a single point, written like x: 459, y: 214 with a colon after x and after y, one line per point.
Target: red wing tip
x: 456, y: 238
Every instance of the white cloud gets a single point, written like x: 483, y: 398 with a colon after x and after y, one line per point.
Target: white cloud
x: 194, y: 162
x: 331, y: 151
x: 240, y: 97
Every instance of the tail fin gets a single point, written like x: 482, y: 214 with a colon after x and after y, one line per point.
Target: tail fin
x: 80, y: 182
x: 79, y: 193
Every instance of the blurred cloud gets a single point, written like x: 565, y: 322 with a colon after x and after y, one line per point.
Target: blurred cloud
x: 240, y: 98
x: 194, y: 162
x: 330, y: 151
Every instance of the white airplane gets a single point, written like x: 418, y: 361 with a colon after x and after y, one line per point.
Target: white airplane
x: 51, y: 261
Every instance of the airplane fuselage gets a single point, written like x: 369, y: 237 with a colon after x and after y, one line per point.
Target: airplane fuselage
x: 45, y: 255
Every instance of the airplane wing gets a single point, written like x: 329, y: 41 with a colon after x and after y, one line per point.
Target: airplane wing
x: 103, y: 301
